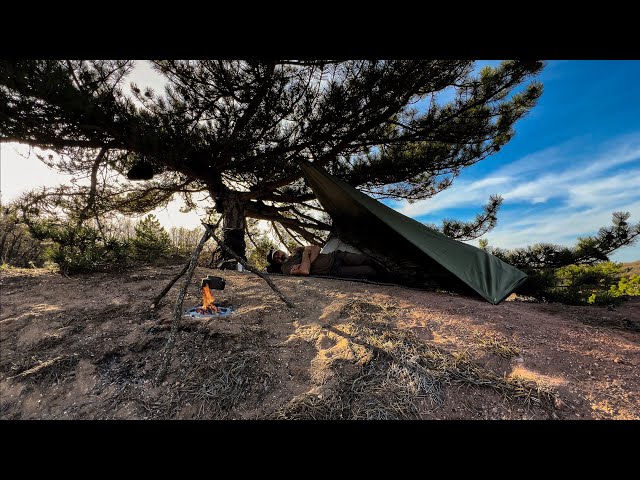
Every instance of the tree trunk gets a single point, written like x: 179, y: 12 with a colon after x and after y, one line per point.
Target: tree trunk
x: 7, y: 258
x: 2, y: 243
x: 233, y: 227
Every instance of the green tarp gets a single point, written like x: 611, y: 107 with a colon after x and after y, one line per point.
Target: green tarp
x: 375, y: 228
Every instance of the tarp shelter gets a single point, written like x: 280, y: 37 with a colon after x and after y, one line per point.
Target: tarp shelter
x: 410, y: 247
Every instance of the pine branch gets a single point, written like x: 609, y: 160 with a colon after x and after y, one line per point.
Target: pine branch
x: 293, y: 236
x: 92, y: 190
x: 275, y: 229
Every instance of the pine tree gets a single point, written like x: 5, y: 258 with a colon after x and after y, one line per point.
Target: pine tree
x: 151, y: 240
x: 587, y: 251
x: 236, y: 130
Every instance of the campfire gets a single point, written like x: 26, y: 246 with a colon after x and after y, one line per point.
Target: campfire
x: 207, y: 308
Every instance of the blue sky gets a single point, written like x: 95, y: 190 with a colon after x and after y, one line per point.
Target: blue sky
x: 574, y: 160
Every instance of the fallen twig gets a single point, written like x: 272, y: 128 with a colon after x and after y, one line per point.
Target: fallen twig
x: 40, y: 367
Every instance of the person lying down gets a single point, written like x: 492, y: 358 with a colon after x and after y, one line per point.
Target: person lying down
x: 309, y: 261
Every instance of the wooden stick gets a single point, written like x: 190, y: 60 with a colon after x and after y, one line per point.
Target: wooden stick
x: 40, y: 366
x: 251, y: 268
x: 177, y: 312
x: 156, y: 300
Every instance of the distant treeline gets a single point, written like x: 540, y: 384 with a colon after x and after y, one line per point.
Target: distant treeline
x: 103, y: 245
x: 556, y: 273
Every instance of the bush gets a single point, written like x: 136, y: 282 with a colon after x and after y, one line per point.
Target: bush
x: 539, y: 283
x: 91, y: 257
x: 599, y: 284
x: 18, y: 248
x: 258, y: 256
x: 628, y: 285
x: 151, y: 240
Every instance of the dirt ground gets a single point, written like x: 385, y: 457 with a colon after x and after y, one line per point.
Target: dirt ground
x: 88, y: 346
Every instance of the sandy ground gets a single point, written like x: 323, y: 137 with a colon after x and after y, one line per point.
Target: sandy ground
x: 87, y: 347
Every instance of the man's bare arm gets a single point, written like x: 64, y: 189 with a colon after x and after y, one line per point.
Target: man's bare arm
x: 314, y: 252
x: 303, y: 268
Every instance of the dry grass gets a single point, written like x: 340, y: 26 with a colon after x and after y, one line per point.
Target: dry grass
x: 49, y: 341
x: 218, y: 385
x: 497, y: 346
x: 403, y: 377
x: 45, y: 372
x: 602, y: 320
x: 631, y: 268
x: 217, y: 376
x: 380, y: 390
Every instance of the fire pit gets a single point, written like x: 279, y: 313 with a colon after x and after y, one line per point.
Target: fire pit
x: 209, y: 309
x: 196, y: 313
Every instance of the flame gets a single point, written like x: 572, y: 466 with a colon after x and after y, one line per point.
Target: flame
x: 208, y: 308
x: 207, y: 296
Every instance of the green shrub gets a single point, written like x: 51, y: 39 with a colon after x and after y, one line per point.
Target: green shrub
x: 258, y: 256
x: 18, y: 248
x: 539, y: 283
x: 151, y: 240
x: 98, y: 256
x: 599, y: 284
x: 628, y: 285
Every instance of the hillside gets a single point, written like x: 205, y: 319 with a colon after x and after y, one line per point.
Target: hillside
x: 631, y: 268
x: 87, y: 347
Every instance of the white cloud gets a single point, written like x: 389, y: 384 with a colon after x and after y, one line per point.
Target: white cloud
x: 562, y: 227
x: 575, y: 153
x: 462, y: 193
x: 613, y: 190
x: 581, y: 173
x: 555, y: 195
x: 575, y: 177
x: 474, y: 193
x: 488, y: 182
x: 539, y: 161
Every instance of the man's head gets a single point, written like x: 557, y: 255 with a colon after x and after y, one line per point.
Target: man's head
x: 276, y: 257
